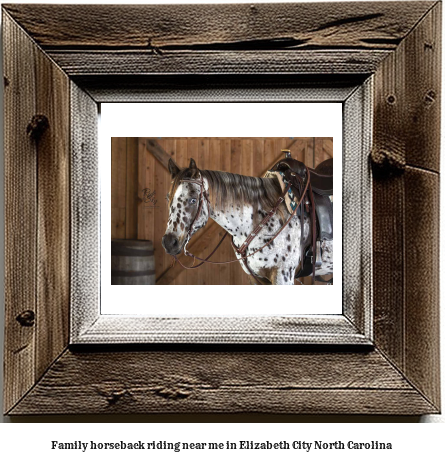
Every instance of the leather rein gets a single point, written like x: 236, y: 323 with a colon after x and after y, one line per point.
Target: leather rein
x: 242, y: 250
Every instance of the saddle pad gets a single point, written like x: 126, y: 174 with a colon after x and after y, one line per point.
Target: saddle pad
x: 290, y: 199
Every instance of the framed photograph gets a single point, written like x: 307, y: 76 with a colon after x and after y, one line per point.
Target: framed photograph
x: 210, y: 107
x: 142, y: 200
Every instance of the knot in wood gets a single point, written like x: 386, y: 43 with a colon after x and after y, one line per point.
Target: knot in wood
x: 387, y: 163
x: 37, y: 126
x: 112, y: 394
x: 114, y: 397
x: 173, y: 393
x: 26, y: 318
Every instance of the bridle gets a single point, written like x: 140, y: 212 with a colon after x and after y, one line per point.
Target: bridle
x: 203, y: 195
x: 242, y: 250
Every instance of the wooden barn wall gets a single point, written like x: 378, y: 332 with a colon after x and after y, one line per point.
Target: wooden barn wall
x: 135, y: 169
x: 124, y: 187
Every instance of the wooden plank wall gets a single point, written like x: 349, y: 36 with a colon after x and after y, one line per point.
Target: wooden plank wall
x: 124, y: 188
x: 134, y: 168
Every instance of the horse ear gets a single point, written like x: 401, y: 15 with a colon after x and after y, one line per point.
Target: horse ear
x: 173, y: 168
x: 193, y: 164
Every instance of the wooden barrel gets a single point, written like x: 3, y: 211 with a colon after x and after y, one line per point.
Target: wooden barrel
x: 132, y: 262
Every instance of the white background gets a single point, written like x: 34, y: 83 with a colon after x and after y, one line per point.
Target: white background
x: 218, y: 120
x: 414, y: 443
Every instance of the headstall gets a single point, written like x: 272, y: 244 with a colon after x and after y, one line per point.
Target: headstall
x: 202, y: 195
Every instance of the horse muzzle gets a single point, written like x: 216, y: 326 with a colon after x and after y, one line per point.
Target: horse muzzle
x: 171, y: 244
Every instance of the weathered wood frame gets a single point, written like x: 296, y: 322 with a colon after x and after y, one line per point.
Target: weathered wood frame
x: 67, y: 61
x: 90, y: 323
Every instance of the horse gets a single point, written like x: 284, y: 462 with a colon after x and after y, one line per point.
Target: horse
x: 238, y: 204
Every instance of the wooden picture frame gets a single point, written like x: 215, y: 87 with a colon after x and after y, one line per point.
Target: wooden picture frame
x: 91, y: 323
x: 56, y: 72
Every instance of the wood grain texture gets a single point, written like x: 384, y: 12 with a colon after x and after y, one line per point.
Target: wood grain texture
x: 223, y: 39
x: 220, y: 381
x: 131, y: 207
x: 422, y: 97
x: 407, y: 112
x: 124, y: 188
x: 388, y: 268
x: 53, y: 222
x: 380, y: 25
x: 388, y: 215
x: 20, y: 204
x: 120, y: 63
x: 405, y: 204
x: 422, y: 364
x: 155, y: 148
x: 39, y: 257
x: 144, y: 172
x: 118, y: 187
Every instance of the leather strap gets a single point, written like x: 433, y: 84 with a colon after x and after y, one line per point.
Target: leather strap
x: 314, y: 232
x: 241, y: 250
x: 202, y: 195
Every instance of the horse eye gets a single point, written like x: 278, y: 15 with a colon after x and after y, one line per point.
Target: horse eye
x: 192, y: 201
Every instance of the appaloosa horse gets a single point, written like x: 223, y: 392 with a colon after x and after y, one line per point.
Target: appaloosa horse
x: 238, y: 204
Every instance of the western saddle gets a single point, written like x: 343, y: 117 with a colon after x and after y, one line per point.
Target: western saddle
x: 317, y: 207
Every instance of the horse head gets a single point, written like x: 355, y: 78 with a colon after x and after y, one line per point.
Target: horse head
x: 188, y: 206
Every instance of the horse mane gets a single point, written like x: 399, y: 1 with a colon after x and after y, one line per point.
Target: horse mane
x: 229, y: 189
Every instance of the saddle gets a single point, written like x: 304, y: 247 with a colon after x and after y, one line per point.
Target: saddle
x: 294, y: 174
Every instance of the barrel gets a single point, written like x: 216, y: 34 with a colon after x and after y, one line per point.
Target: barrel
x: 132, y: 262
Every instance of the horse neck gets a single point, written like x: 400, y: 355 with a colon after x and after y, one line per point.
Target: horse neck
x: 236, y: 219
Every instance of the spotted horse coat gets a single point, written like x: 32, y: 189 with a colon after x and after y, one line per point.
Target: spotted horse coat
x: 239, y: 203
